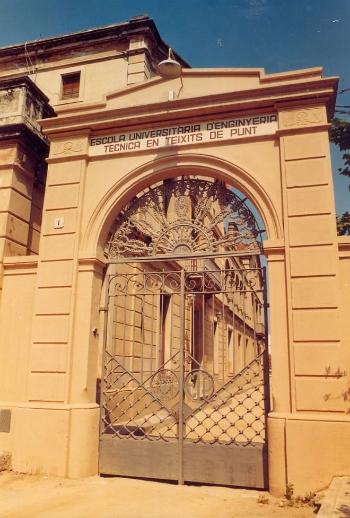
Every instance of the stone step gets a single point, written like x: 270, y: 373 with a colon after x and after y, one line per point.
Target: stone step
x: 336, y: 502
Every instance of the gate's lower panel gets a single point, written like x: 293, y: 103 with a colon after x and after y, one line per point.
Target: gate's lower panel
x: 139, y: 458
x: 232, y: 465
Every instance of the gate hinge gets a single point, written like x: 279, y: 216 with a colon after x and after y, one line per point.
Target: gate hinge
x: 103, y: 308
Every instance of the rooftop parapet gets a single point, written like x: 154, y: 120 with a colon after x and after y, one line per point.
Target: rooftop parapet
x: 22, y: 104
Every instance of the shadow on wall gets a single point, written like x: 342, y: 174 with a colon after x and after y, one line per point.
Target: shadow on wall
x: 344, y: 511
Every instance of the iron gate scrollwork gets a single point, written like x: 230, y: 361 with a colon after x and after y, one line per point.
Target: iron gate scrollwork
x: 186, y: 216
x: 184, y: 393
x: 185, y: 383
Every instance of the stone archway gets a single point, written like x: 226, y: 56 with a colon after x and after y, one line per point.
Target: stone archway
x: 168, y: 167
x: 191, y: 230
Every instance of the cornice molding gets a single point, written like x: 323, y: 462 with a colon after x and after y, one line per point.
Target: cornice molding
x: 303, y: 129
x: 218, y: 105
x: 274, y: 250
x: 22, y: 264
x: 25, y: 135
x: 344, y: 247
x: 91, y: 264
x: 133, y: 27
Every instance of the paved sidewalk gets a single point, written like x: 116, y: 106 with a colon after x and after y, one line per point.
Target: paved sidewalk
x: 336, y: 502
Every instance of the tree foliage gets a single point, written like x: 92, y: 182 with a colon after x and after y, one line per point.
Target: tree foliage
x: 343, y: 224
x: 340, y: 136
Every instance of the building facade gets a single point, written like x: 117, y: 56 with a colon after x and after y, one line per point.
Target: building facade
x: 133, y: 304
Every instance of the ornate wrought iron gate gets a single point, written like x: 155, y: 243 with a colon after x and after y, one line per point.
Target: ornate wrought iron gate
x: 185, y: 385
x: 184, y: 389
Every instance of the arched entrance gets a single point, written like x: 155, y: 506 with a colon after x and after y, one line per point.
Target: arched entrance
x: 185, y: 383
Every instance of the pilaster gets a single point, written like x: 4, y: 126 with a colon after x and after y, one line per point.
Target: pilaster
x: 139, y: 61
x: 56, y: 279
x: 312, y: 259
x: 22, y: 151
x: 316, y: 346
x: 278, y: 313
x: 70, y: 417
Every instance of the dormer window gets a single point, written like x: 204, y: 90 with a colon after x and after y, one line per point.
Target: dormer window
x: 70, y: 86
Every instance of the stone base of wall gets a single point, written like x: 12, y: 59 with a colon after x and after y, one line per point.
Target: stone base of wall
x: 307, y: 451
x: 57, y: 440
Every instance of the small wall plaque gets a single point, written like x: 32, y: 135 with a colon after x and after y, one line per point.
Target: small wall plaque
x: 58, y: 223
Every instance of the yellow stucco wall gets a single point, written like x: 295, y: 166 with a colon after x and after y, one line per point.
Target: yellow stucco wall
x: 287, y: 175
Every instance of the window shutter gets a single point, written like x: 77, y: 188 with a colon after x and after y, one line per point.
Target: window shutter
x: 70, y: 86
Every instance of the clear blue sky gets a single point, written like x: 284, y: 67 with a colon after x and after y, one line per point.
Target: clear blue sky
x: 275, y: 34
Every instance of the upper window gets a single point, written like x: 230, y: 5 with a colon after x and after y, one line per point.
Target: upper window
x: 70, y: 85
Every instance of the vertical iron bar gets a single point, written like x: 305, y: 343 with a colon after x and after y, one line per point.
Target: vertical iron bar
x: 244, y: 292
x: 104, y: 362
x: 235, y: 341
x: 254, y: 298
x: 123, y: 348
x: 105, y: 310
x: 161, y: 332
x: 142, y: 334
x: 266, y: 372
x: 266, y: 352
x: 201, y: 345
x: 181, y: 380
x: 153, y: 344
x: 233, y: 345
x: 171, y: 309
x: 223, y: 338
x: 132, y: 336
x: 212, y: 340
x: 193, y: 330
